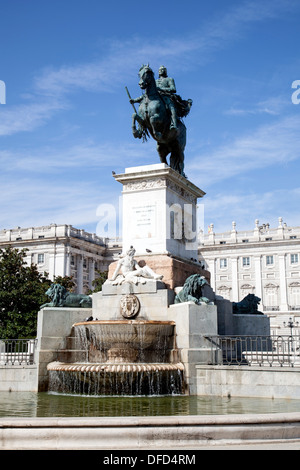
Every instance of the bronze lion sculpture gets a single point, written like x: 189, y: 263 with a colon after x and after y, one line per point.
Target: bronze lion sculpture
x: 247, y: 306
x: 61, y: 297
x: 192, y: 290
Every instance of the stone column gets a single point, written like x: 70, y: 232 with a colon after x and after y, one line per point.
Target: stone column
x: 52, y: 261
x: 67, y: 261
x: 258, y: 287
x: 235, y: 283
x: 212, y: 269
x: 283, y: 287
x: 79, y: 274
x: 91, y: 262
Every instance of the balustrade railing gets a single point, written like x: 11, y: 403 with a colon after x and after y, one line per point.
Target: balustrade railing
x: 277, y: 351
x: 17, y: 351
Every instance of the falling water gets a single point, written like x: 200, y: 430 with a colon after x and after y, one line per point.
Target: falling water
x: 120, y: 358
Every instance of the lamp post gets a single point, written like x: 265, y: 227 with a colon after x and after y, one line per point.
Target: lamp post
x: 291, y: 324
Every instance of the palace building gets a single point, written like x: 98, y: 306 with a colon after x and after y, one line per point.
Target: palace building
x: 264, y: 261
x: 61, y: 250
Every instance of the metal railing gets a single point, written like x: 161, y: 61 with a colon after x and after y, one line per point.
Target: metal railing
x: 277, y: 351
x: 17, y: 351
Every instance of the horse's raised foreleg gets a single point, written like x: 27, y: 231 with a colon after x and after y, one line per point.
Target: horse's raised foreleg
x: 137, y: 133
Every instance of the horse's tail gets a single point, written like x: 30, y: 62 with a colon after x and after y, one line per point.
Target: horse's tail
x: 183, y: 107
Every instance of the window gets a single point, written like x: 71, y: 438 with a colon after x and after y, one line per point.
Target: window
x: 41, y: 258
x: 246, y: 289
x: 246, y: 240
x: 294, y: 258
x: 271, y: 296
x: 294, y: 294
x: 246, y: 261
x: 223, y: 263
x: 224, y: 291
x: 269, y: 260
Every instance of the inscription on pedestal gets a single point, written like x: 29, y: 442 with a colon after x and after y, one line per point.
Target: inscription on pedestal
x: 159, y: 211
x: 143, y: 220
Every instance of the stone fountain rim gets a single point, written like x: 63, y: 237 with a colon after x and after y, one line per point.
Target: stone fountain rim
x: 125, y: 322
x: 114, y: 367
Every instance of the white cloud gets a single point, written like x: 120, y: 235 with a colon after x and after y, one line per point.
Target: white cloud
x: 245, y: 207
x: 28, y: 117
x: 86, y: 154
x: 269, y: 145
x: 273, y: 106
x: 120, y: 60
x: 123, y: 56
x: 32, y: 202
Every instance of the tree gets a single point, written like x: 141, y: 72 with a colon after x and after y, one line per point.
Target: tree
x: 65, y: 281
x: 22, y: 292
x: 99, y: 281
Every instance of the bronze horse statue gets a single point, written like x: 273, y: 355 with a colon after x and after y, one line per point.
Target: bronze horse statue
x: 154, y: 118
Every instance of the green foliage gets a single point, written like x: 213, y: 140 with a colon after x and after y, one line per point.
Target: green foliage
x: 97, y: 283
x: 65, y: 281
x: 22, y: 291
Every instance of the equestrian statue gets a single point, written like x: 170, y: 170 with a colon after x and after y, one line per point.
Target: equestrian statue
x: 159, y: 115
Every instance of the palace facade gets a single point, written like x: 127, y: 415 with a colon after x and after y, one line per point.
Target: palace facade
x: 264, y: 261
x: 61, y: 250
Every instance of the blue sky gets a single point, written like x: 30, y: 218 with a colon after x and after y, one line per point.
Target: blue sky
x: 66, y: 124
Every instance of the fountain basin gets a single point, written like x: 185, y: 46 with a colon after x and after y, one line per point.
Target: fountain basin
x: 125, y: 340
x: 84, y: 367
x: 119, y: 357
x: 142, y: 334
x: 116, y: 379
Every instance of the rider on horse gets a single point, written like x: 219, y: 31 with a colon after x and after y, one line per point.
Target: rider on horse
x: 166, y: 87
x: 159, y: 114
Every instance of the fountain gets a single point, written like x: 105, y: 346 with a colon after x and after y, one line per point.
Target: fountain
x: 125, y: 357
x: 140, y: 341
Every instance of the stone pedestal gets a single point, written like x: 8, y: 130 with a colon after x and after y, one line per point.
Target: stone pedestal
x: 159, y: 211
x: 175, y: 271
x: 54, y: 326
x: 251, y: 325
x: 154, y: 300
x: 193, y: 324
